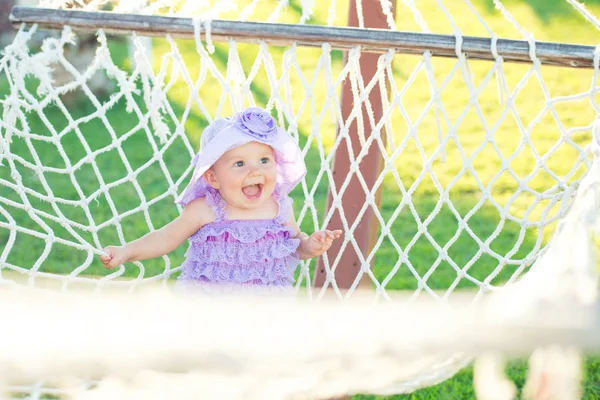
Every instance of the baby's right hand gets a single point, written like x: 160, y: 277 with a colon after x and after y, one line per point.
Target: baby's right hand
x: 115, y: 256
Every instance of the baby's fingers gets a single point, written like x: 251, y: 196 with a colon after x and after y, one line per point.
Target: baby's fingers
x: 106, y: 259
x: 114, y: 262
x: 320, y: 236
x: 108, y: 263
x: 334, y: 234
x: 110, y: 258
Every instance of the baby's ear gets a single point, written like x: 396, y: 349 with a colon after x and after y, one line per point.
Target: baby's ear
x: 210, y: 177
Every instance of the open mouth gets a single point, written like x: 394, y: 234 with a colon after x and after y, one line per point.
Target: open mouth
x: 253, y: 191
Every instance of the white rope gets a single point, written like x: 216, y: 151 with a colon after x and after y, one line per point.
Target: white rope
x: 9, y: 116
x: 275, y: 15
x: 585, y: 12
x: 358, y: 89
x: 305, y: 97
x: 200, y: 356
x: 386, y: 8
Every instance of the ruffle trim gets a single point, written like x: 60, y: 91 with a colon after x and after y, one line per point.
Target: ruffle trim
x: 276, y: 272
x: 276, y: 247
x: 245, y: 231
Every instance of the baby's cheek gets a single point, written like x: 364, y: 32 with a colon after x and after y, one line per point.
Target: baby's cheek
x: 271, y: 173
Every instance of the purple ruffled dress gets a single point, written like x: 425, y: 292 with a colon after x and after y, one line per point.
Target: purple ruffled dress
x: 240, y: 255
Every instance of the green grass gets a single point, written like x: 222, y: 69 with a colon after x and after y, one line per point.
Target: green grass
x: 548, y: 21
x: 461, y: 385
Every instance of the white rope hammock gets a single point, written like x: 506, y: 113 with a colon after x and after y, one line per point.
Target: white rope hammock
x: 76, y: 206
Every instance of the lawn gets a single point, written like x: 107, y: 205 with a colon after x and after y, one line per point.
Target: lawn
x: 443, y: 150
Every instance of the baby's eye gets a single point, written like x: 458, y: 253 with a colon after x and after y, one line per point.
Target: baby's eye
x: 238, y: 164
x: 264, y: 160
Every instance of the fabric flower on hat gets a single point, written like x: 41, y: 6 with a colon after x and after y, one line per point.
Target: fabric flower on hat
x: 258, y: 123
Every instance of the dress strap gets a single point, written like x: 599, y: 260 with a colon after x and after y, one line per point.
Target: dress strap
x: 217, y: 204
x: 286, y: 211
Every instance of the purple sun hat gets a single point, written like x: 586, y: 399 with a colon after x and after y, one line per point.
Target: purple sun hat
x: 250, y: 125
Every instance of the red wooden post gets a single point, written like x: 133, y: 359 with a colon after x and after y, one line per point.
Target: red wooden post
x: 370, y: 167
x: 5, y: 7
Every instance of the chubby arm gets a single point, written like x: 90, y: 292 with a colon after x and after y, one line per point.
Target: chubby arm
x: 315, y: 244
x: 162, y: 241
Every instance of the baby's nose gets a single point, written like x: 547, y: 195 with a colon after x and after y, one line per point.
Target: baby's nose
x: 254, y: 170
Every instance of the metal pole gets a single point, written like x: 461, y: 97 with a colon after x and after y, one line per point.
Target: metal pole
x: 354, y: 197
x: 369, y: 40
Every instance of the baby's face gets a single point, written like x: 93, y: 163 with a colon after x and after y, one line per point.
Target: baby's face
x: 245, y: 176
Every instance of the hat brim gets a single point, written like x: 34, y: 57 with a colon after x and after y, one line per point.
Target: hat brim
x: 288, y: 156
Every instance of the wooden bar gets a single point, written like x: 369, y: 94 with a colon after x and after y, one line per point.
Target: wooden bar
x: 371, y: 40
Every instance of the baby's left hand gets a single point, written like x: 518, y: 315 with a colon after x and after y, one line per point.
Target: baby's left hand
x: 319, y: 242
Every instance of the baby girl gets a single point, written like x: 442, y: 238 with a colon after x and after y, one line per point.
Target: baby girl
x: 237, y: 214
